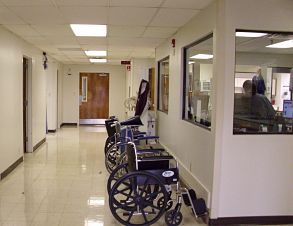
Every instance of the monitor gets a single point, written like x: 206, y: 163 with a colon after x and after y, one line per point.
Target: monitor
x: 288, y: 109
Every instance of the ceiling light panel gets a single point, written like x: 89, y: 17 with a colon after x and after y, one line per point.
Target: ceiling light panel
x: 96, y: 53
x: 98, y: 60
x: 202, y: 56
x: 282, y: 45
x: 89, y: 30
x: 250, y: 34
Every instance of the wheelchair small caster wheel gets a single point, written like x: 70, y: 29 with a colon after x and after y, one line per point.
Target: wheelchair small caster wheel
x: 161, y: 203
x: 173, y: 218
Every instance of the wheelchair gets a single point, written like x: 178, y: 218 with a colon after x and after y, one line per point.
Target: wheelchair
x: 140, y: 190
x: 115, y: 151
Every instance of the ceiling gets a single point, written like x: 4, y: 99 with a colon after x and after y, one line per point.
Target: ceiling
x: 135, y: 27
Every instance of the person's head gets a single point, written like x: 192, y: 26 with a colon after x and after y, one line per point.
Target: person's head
x: 249, y: 87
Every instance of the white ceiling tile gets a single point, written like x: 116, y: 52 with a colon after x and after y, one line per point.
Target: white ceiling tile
x: 128, y: 16
x: 159, y: 32
x: 39, y: 14
x: 51, y: 29
x: 85, y: 15
x: 94, y: 47
x: 92, y: 41
x: 138, y: 3
x: 22, y: 30
x: 36, y: 40
x: 114, y: 48
x: 50, y: 49
x: 186, y: 4
x: 118, y: 54
x: 7, y: 17
x: 82, y: 2
x: 125, y: 31
x: 140, y: 54
x: 27, y: 2
x: 135, y: 42
x: 173, y: 17
x: 60, y: 40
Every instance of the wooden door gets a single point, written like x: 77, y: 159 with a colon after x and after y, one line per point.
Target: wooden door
x: 94, y: 97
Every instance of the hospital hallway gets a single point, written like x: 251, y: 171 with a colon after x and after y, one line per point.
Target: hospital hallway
x: 63, y: 183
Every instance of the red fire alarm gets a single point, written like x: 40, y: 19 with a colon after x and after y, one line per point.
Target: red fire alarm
x: 173, y: 42
x: 128, y: 67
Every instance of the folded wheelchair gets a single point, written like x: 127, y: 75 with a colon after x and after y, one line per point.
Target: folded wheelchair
x: 140, y: 190
x: 115, y: 150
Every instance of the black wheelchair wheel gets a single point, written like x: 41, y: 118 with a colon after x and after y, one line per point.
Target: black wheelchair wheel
x: 111, y: 158
x: 169, y: 203
x: 132, y: 199
x: 116, y: 174
x: 173, y: 218
x: 109, y: 142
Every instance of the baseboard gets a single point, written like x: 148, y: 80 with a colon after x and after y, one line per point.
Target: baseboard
x: 52, y: 131
x: 11, y: 168
x: 260, y: 220
x: 68, y: 124
x: 190, y: 180
x: 39, y: 144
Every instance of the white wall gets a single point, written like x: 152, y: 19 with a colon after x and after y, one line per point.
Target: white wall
x: 192, y: 145
x: 253, y: 174
x: 11, y: 81
x: 70, y: 92
x: 51, y: 93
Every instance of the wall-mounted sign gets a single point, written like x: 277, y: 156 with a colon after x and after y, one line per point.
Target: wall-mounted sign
x: 125, y: 62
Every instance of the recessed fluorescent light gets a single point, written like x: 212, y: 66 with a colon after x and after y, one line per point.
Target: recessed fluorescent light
x: 191, y: 62
x: 202, y: 56
x: 89, y: 30
x: 282, y: 45
x: 96, y: 53
x: 98, y: 60
x: 250, y: 34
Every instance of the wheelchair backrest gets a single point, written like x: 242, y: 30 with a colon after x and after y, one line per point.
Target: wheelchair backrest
x: 131, y: 157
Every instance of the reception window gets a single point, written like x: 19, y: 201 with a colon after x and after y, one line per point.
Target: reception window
x: 263, y: 83
x: 198, y: 74
x: 163, y: 85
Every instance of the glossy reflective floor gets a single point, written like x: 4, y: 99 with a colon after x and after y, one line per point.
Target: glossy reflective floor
x: 63, y: 183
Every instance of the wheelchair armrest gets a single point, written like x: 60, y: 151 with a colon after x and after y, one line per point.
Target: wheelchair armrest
x: 155, y: 158
x: 148, y: 138
x: 150, y: 151
x: 139, y: 133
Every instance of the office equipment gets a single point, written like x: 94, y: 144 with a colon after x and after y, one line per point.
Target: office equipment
x: 288, y: 109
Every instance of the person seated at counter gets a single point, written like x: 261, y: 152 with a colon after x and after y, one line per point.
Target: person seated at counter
x: 261, y: 107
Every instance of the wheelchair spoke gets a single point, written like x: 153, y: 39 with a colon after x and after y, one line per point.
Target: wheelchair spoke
x: 144, y: 215
x: 130, y: 216
x: 145, y: 185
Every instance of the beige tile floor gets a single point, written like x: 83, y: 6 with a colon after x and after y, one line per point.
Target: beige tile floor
x: 63, y: 183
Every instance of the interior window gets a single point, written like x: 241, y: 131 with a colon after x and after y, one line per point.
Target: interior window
x: 263, y: 83
x: 163, y: 85
x: 198, y: 74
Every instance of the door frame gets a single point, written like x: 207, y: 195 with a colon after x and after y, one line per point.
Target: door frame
x: 28, y: 83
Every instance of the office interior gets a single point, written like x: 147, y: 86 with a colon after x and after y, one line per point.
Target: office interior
x: 241, y: 166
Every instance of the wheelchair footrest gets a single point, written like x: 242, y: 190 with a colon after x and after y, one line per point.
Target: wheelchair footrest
x: 198, y: 205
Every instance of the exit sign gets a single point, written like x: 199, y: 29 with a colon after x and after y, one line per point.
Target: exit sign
x: 125, y: 62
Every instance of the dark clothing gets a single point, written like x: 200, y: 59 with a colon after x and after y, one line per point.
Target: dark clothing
x: 261, y: 107
x: 142, y: 98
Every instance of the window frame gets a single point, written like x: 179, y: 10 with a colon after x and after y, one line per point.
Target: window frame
x: 159, y: 83
x: 185, y: 48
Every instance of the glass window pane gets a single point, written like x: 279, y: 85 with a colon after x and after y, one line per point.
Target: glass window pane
x: 263, y: 93
x: 198, y: 82
x: 163, y: 94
